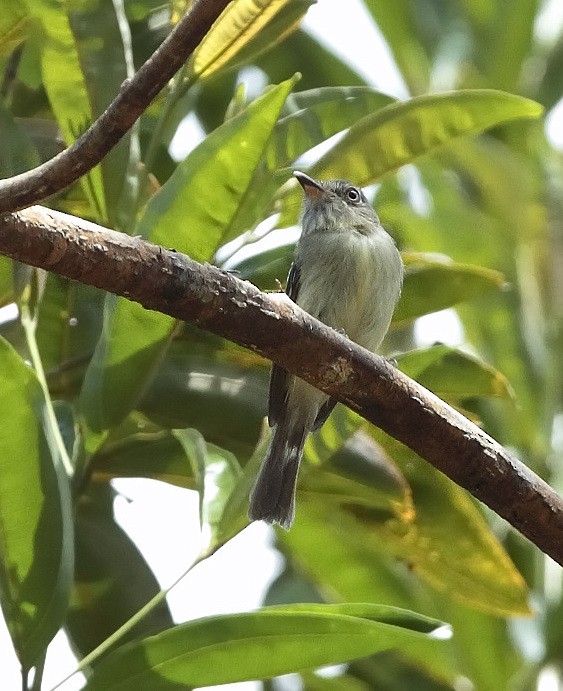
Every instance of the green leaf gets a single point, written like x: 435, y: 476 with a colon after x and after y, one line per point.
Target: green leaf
x: 14, y: 24
x: 484, y: 646
x: 393, y: 671
x: 433, y: 283
x: 310, y: 117
x: 505, y: 230
x: 551, y: 85
x: 291, y: 586
x: 217, y: 473
x: 234, y: 516
x: 337, y: 559
x: 6, y: 282
x: 360, y: 473
x: 279, y: 27
x: 258, y: 645
x: 343, y: 682
x: 132, y: 342
x: 242, y: 22
x: 266, y: 268
x: 112, y: 580
x: 103, y: 41
x: 139, y: 448
x: 339, y: 563
x: 66, y: 87
x: 505, y: 44
x: 340, y: 426
x: 452, y: 374
x: 194, y: 211
x: 12, y: 331
x: 68, y: 324
x: 35, y: 514
x: 476, y: 232
x: 218, y: 389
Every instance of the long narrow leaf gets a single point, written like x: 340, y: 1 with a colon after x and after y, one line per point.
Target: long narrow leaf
x: 259, y: 645
x: 399, y: 134
x: 132, y: 342
x: 35, y: 515
x: 242, y: 22
x: 66, y: 86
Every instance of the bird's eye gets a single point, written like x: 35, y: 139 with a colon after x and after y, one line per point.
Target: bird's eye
x: 353, y: 195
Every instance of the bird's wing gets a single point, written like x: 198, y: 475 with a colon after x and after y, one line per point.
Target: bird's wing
x: 327, y: 408
x: 293, y: 281
x: 324, y: 411
x: 279, y: 378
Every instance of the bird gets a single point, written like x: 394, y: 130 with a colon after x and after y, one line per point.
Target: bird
x: 348, y: 273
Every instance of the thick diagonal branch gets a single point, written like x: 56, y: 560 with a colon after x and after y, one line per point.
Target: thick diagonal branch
x: 134, y: 98
x: 216, y: 301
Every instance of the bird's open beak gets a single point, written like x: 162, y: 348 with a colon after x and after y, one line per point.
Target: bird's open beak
x: 312, y: 188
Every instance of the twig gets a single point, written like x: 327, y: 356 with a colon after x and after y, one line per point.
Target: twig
x: 135, y: 96
x: 218, y: 302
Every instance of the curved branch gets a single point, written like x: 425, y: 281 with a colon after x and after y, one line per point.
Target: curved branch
x: 135, y: 96
x: 170, y: 282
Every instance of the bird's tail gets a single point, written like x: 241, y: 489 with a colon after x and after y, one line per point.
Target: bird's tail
x: 273, y: 496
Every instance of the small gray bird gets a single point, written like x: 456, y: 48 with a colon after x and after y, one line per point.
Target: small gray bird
x: 348, y: 273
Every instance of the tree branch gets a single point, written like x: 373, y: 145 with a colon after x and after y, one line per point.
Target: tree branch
x: 216, y: 301
x: 135, y: 96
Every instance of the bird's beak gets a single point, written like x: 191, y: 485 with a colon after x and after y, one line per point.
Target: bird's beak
x: 312, y: 188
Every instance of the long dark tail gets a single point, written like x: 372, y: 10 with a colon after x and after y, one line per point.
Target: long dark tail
x: 273, y: 496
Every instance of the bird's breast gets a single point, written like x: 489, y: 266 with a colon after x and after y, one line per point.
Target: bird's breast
x: 351, y: 282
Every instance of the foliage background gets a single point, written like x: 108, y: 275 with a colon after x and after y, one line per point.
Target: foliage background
x: 118, y: 392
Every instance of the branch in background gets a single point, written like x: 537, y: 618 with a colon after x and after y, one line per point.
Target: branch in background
x: 134, y: 98
x: 172, y: 283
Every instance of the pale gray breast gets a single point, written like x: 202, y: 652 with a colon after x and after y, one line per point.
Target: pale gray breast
x: 351, y: 282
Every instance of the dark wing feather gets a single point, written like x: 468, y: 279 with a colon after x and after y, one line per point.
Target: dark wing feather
x: 293, y: 281
x: 324, y: 411
x: 279, y: 377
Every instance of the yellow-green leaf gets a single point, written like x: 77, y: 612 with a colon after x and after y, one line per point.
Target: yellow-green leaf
x: 402, y: 132
x: 14, y: 21
x: 434, y: 283
x: 239, y: 23
x: 449, y: 543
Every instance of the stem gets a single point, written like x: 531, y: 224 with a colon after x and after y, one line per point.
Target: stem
x: 38, y: 673
x: 29, y: 330
x: 128, y: 625
x: 249, y: 238
x: 178, y: 90
x: 209, y: 551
